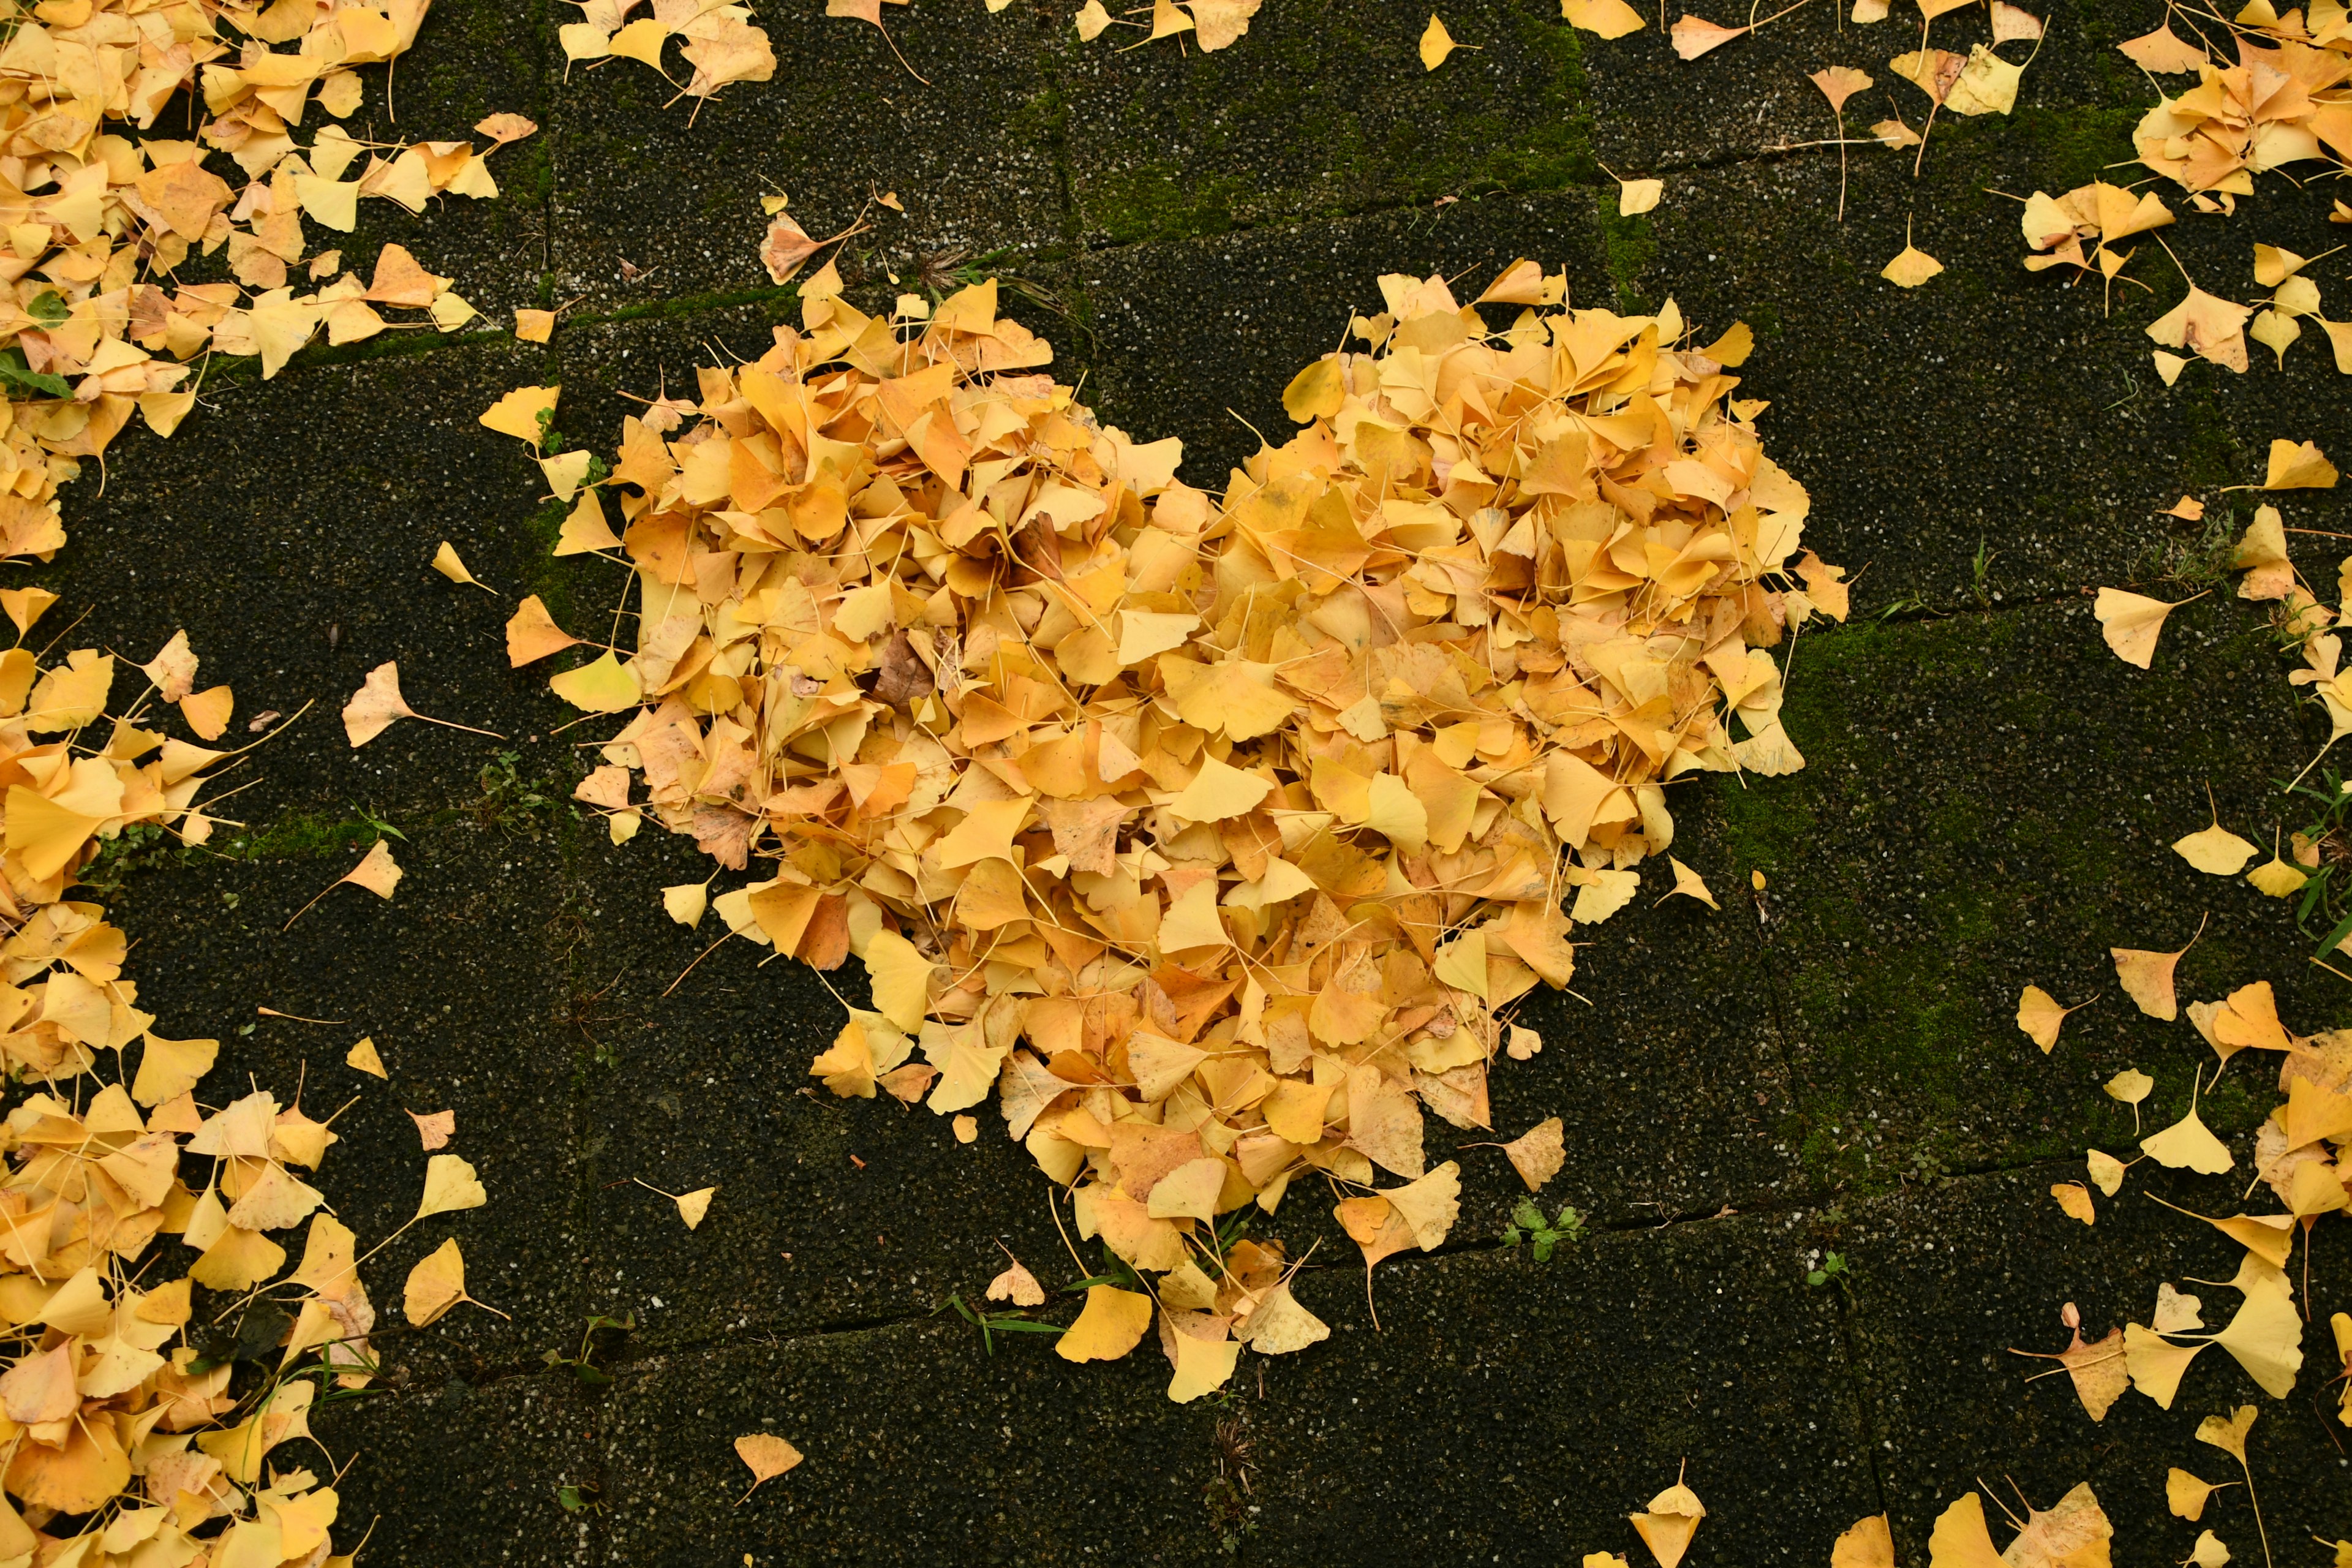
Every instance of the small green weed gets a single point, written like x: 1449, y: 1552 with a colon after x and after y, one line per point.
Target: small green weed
x: 583, y: 1361
x: 992, y: 1324
x: 1527, y: 1223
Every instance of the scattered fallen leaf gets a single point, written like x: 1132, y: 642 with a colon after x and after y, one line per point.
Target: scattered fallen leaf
x: 377, y: 872
x: 2147, y: 979
x: 1436, y: 43
x: 2039, y: 1015
x: 435, y: 1129
x: 766, y: 1456
x: 449, y: 1184
x: 2130, y: 623
x: 1667, y: 1527
x: 446, y: 562
x: 1694, y: 35
x: 378, y: 702
x: 1536, y: 1154
x: 1911, y: 268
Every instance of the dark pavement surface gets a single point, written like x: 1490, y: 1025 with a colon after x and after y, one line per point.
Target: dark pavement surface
x: 1829, y: 1067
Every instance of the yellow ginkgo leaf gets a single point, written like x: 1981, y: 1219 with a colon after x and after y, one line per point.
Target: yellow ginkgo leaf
x: 766, y: 1456
x: 603, y: 685
x: 436, y: 1284
x: 2276, y: 878
x: 2215, y: 851
x: 2106, y: 1171
x: 1111, y: 1324
x: 1604, y: 18
x: 1315, y: 393
x: 365, y: 1058
x: 1868, y: 1543
x: 2188, y: 1145
x: 1635, y: 197
x: 524, y: 413
x: 2039, y: 1015
x: 1911, y: 268
x: 445, y: 561
x: 450, y: 1185
x: 2298, y: 468
x: 532, y: 634
x: 2130, y: 623
x: 686, y: 902
x: 2146, y: 977
x: 1688, y: 883
x: 207, y: 711
x: 377, y: 872
x: 2074, y: 1198
x: 1436, y: 43
x: 2184, y: 1495
x: 1667, y: 1527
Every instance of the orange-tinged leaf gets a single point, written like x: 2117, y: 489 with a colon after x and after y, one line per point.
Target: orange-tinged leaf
x: 1694, y: 35
x: 2163, y: 52
x: 766, y: 1456
x: 532, y: 634
x: 1839, y: 83
x: 2147, y: 979
x: 1536, y: 1154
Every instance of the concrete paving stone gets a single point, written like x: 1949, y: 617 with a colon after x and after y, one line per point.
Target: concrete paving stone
x: 1668, y: 1067
x: 467, y: 1019
x: 1948, y: 1277
x: 1653, y: 113
x: 1198, y: 339
x: 920, y: 1447
x: 829, y: 1212
x: 1988, y: 802
x: 1318, y: 110
x: 675, y: 190
x: 290, y: 530
x: 1992, y: 405
x: 1515, y: 1412
x: 458, y: 1475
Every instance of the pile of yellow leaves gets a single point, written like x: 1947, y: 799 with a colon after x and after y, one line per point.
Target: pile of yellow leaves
x: 123, y: 1445
x: 86, y: 212
x: 1209, y: 835
x: 2284, y: 101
